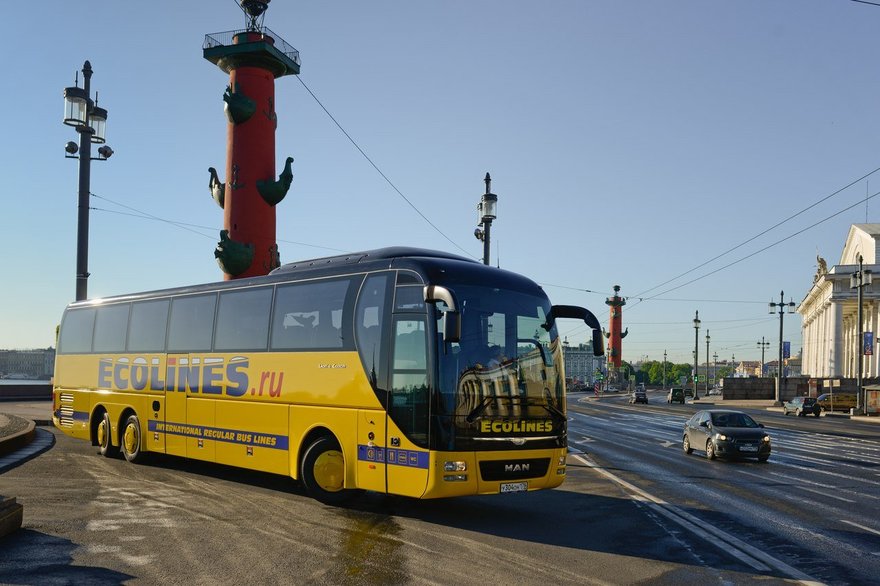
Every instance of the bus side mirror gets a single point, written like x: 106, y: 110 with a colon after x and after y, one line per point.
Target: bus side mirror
x: 576, y: 312
x: 451, y: 317
x: 451, y: 326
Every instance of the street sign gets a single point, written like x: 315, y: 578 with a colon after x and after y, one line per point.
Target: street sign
x: 868, y: 344
x: 786, y: 349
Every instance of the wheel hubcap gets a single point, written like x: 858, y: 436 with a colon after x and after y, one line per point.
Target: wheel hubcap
x: 130, y: 439
x: 329, y: 470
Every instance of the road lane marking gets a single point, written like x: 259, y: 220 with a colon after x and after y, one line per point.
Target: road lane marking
x: 749, y: 555
x: 825, y: 494
x: 874, y: 531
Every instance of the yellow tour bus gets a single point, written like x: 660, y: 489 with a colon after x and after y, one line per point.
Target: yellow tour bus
x: 398, y: 370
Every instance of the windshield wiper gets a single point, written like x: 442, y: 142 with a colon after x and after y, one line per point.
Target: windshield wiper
x: 478, y: 410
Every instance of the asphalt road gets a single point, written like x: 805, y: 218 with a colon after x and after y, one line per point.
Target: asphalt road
x: 812, y: 507
x: 95, y: 520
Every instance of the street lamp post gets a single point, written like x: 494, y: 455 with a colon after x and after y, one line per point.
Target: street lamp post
x: 89, y: 121
x: 664, y: 370
x: 696, y: 349
x: 485, y: 214
x: 762, y: 344
x: 782, y: 308
x: 707, y: 362
x: 859, y: 280
x: 715, y: 367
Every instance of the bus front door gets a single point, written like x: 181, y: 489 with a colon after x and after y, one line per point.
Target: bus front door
x: 407, y: 458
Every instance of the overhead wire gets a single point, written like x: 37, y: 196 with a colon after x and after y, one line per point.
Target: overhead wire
x: 378, y: 170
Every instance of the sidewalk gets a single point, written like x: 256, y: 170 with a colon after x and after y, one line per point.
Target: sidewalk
x: 716, y: 401
x: 18, y: 421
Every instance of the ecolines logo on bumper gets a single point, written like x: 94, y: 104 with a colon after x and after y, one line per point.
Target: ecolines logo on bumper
x: 210, y: 376
x: 516, y: 426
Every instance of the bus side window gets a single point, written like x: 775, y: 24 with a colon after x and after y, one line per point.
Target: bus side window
x: 76, y: 331
x: 304, y: 315
x: 192, y: 323
x: 371, y: 313
x: 148, y: 323
x: 111, y: 324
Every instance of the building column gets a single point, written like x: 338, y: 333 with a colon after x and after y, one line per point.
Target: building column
x: 835, y: 337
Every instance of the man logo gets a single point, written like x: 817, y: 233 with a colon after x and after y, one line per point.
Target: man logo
x: 516, y: 467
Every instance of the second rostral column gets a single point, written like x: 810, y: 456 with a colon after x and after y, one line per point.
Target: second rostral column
x: 253, y: 58
x: 615, y: 336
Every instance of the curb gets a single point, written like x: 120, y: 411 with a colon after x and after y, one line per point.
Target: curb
x: 18, y: 440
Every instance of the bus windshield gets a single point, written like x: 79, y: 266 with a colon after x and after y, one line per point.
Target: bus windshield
x: 503, y: 380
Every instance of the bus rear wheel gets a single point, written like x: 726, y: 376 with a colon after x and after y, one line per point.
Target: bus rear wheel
x: 323, y: 472
x: 104, y: 436
x: 131, y: 439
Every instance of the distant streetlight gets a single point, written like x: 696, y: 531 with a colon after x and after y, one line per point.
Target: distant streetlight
x: 715, y: 367
x: 782, y: 309
x: 485, y: 214
x: 89, y: 121
x: 859, y: 280
x: 762, y: 344
x: 707, y: 362
x: 696, y: 349
x: 664, y: 370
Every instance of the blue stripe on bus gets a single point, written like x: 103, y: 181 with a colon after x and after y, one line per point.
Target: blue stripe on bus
x: 394, y: 457
x: 76, y: 415
x: 234, y: 436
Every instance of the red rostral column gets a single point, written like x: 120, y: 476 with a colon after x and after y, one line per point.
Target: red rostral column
x: 253, y: 58
x: 615, y: 336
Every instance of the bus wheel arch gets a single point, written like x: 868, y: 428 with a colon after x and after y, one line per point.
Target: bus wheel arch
x: 131, y: 440
x: 322, y: 468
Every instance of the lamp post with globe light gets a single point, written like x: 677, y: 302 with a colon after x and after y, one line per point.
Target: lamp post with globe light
x: 89, y: 121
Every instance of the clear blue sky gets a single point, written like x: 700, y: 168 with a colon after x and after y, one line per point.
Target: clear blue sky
x: 628, y: 142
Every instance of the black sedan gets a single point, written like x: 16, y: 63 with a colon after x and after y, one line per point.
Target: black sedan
x: 726, y: 433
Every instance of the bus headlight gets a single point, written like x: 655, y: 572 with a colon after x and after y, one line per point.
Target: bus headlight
x: 455, y: 466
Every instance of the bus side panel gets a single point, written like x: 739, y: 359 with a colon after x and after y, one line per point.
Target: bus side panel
x: 253, y: 435
x: 408, y: 464
x: 74, y: 385
x: 371, y: 450
x: 199, y: 418
x: 342, y: 423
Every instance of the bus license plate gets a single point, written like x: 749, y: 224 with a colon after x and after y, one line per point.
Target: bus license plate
x: 514, y: 486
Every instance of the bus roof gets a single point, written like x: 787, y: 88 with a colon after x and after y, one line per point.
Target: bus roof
x: 434, y: 265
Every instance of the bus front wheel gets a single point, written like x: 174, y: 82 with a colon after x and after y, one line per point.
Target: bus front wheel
x: 104, y: 437
x: 323, y: 472
x: 131, y: 439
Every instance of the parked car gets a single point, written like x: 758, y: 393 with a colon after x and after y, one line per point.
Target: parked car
x: 840, y: 401
x: 675, y: 395
x: 639, y: 396
x: 802, y: 406
x: 726, y: 433
x: 715, y: 391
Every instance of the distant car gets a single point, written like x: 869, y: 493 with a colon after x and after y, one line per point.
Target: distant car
x: 726, y: 433
x: 675, y: 395
x: 715, y: 391
x: 802, y: 406
x: 840, y: 401
x: 639, y: 396
x: 689, y: 392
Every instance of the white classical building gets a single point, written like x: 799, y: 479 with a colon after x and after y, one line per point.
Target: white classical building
x: 829, y: 310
